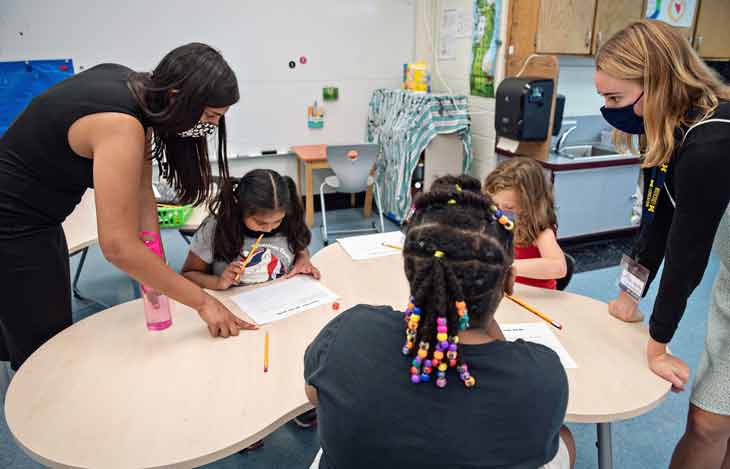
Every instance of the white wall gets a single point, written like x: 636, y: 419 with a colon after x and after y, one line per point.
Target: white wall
x: 355, y: 45
x: 454, y: 76
x: 576, y: 83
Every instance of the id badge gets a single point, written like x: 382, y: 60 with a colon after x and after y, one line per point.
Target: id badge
x: 633, y: 278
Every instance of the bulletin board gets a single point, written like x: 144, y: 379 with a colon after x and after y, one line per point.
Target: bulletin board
x: 20, y: 81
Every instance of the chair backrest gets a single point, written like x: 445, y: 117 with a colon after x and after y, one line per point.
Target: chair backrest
x: 352, y: 165
x: 562, y: 283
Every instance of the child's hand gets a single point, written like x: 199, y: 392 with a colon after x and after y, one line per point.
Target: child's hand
x: 228, y: 277
x: 304, y: 267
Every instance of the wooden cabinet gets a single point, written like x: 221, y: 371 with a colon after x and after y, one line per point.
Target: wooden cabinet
x: 711, y: 39
x: 580, y: 27
x: 565, y: 26
x: 612, y: 16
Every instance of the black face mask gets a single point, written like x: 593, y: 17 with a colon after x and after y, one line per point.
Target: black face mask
x: 624, y: 118
x: 255, y: 234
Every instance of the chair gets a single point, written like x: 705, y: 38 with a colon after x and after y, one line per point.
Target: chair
x: 352, y: 165
x: 562, y: 283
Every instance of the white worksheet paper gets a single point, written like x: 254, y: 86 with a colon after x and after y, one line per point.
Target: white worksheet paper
x: 283, y: 299
x: 369, y: 246
x: 539, y: 333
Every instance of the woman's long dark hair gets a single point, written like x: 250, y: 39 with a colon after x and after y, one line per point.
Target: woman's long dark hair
x: 258, y: 190
x: 173, y: 98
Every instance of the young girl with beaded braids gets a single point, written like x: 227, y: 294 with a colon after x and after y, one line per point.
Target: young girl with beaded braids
x: 450, y: 392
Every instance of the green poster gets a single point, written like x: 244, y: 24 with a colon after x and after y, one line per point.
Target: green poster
x: 485, y: 43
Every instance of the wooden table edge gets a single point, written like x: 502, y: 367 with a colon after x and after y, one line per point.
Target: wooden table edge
x: 602, y: 418
x: 190, y: 463
x: 81, y: 246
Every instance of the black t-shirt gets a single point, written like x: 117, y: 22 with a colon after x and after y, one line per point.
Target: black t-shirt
x: 699, y: 183
x: 371, y: 415
x: 41, y: 178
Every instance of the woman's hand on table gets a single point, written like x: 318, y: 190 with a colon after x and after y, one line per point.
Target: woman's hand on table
x: 221, y: 322
x: 625, y: 308
x: 667, y: 366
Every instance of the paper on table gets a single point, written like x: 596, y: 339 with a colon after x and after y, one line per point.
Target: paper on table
x: 539, y: 333
x: 507, y: 144
x: 283, y: 299
x: 365, y: 247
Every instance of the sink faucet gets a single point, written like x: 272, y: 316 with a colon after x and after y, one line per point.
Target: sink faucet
x: 564, y: 135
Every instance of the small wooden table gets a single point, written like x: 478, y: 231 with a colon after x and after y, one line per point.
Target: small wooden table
x: 107, y: 393
x: 200, y: 213
x: 80, y: 229
x: 315, y: 157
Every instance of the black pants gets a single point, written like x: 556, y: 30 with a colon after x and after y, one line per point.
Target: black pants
x: 35, y: 288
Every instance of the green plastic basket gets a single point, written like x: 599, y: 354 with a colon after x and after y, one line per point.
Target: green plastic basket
x: 173, y: 216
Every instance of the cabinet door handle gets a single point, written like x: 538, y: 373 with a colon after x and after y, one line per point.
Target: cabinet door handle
x: 588, y: 38
x: 599, y: 42
x: 698, y: 42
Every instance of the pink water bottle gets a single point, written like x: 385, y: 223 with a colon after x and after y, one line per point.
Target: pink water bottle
x: 157, y: 310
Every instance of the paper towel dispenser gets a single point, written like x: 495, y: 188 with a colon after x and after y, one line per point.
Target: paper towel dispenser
x: 523, y: 108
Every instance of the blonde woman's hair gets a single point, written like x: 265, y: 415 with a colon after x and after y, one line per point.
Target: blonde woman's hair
x: 673, y: 77
x: 525, y: 176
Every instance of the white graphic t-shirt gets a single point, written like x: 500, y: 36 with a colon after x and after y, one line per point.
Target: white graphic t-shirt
x: 271, y: 260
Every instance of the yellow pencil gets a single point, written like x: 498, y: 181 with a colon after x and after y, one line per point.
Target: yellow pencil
x: 392, y: 246
x: 537, y: 313
x: 266, y: 352
x: 248, y: 258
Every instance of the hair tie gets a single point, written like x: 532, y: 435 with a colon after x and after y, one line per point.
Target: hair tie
x: 499, y: 217
x: 438, y: 254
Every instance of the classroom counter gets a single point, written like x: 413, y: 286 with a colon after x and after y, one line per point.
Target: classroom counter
x: 557, y: 162
x: 594, y: 195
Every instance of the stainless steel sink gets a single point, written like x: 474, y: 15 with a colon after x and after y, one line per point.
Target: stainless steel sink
x: 587, y: 151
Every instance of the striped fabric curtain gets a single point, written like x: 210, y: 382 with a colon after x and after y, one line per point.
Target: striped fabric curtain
x: 404, y: 123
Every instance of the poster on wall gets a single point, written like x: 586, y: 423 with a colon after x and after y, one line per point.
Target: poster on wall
x: 447, y: 34
x: 21, y: 81
x: 484, y: 46
x: 678, y: 13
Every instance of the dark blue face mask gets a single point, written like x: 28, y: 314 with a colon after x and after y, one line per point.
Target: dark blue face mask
x: 624, y: 118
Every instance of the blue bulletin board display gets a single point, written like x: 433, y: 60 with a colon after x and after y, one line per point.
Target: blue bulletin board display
x: 21, y: 81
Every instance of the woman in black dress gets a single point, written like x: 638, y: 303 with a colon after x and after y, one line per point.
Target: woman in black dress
x: 102, y: 128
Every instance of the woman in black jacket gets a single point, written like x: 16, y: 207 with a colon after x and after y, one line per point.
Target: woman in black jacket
x: 654, y: 85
